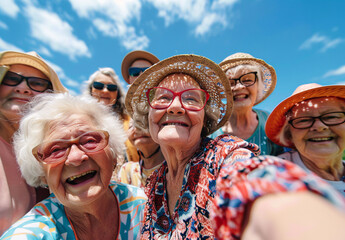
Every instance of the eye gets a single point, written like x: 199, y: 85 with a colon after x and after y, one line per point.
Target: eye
x: 55, y: 150
x: 90, y: 141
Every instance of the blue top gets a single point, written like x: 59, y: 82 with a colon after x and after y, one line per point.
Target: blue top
x: 259, y: 137
x: 47, y: 220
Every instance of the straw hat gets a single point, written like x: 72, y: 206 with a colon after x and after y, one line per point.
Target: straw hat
x: 277, y: 118
x: 32, y: 59
x: 208, y: 74
x: 269, y: 74
x: 131, y: 57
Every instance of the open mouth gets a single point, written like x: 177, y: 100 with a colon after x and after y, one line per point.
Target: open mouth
x: 77, y: 179
x: 320, y: 139
x: 175, y: 124
x: 240, y: 97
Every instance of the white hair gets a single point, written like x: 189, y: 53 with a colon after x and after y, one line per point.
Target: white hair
x: 44, y: 109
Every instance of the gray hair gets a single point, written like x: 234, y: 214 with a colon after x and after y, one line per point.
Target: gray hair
x: 44, y: 109
x: 254, y: 67
x: 119, y: 106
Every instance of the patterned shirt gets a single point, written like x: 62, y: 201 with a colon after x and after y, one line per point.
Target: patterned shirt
x: 191, y: 217
x: 244, y: 181
x: 47, y: 219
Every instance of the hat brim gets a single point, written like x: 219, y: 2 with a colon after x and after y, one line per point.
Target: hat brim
x: 269, y: 74
x: 131, y: 57
x: 277, y: 118
x: 10, y: 57
x: 205, y: 72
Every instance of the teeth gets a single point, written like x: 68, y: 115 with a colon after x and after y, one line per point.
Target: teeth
x: 176, y: 124
x: 321, y: 139
x: 80, y: 175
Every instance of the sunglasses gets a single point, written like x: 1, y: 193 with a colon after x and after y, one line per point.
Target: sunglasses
x: 135, y: 71
x: 56, y: 151
x: 34, y: 83
x: 100, y: 86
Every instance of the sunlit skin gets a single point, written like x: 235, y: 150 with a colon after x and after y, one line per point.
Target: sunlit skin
x: 178, y: 132
x: 88, y: 193
x: 105, y: 96
x: 243, y: 120
x: 321, y: 146
x: 13, y: 98
x: 141, y: 63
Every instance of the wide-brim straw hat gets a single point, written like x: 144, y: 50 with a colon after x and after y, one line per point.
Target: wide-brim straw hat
x: 269, y: 80
x: 205, y: 72
x: 32, y: 59
x: 131, y: 57
x: 277, y: 118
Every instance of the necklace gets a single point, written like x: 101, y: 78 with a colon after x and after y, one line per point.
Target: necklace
x: 142, y: 155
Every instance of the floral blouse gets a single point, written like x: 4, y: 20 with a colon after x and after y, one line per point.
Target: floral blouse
x: 191, y: 217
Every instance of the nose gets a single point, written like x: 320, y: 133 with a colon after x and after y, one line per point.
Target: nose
x: 238, y: 85
x: 176, y: 107
x: 23, y: 88
x: 318, y: 126
x: 76, y: 156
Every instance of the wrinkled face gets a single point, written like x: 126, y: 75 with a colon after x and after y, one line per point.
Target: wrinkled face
x: 13, y: 98
x: 104, y: 95
x: 140, y: 63
x: 244, y: 97
x: 176, y: 125
x: 320, y: 140
x: 140, y: 139
x: 83, y: 177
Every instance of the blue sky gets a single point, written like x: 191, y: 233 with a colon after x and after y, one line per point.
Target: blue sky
x: 303, y: 40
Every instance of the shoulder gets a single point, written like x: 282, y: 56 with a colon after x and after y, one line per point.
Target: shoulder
x: 230, y: 143
x: 128, y: 193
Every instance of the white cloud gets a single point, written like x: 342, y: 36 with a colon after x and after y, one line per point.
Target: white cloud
x: 113, y: 19
x: 201, y: 14
x: 49, y: 28
x: 336, y: 72
x: 325, y: 41
x: 68, y: 82
x: 9, y: 7
x: 3, y: 25
x: 5, y: 46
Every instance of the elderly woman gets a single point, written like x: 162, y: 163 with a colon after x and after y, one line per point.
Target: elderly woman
x: 105, y: 86
x: 312, y: 123
x: 151, y: 158
x: 252, y: 80
x: 71, y: 144
x: 181, y: 100
x: 23, y: 76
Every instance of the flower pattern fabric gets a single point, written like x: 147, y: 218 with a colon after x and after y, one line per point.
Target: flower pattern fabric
x: 243, y: 182
x: 191, y: 217
x: 47, y: 220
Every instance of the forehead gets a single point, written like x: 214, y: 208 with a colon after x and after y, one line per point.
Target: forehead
x: 26, y: 70
x: 241, y: 69
x: 141, y: 63
x: 104, y: 78
x: 178, y: 80
x: 318, y: 105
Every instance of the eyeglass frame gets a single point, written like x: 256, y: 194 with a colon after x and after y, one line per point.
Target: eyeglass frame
x: 74, y: 141
x: 22, y: 78
x: 239, y: 79
x: 141, y: 70
x: 314, y: 119
x: 105, y: 85
x: 179, y: 95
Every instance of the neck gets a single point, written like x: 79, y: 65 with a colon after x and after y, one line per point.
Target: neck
x: 152, y: 160
x: 241, y: 124
x: 332, y: 169
x: 7, y: 129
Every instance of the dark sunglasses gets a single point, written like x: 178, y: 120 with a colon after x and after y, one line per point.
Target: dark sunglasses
x: 100, y: 86
x: 34, y: 83
x: 135, y: 71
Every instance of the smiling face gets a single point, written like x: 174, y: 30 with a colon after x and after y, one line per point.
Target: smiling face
x: 176, y: 126
x: 13, y: 98
x: 320, y: 142
x: 139, y: 63
x: 105, y: 96
x: 244, y: 97
x: 83, y: 177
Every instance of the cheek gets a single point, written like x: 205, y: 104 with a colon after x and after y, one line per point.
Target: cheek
x: 4, y: 91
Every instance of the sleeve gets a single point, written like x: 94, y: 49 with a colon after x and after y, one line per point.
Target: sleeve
x: 248, y: 180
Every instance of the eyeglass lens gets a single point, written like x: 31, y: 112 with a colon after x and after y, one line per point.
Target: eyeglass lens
x: 100, y: 86
x: 191, y: 99
x: 135, y: 71
x: 34, y: 83
x: 57, y: 150
x: 246, y: 80
x: 329, y: 119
